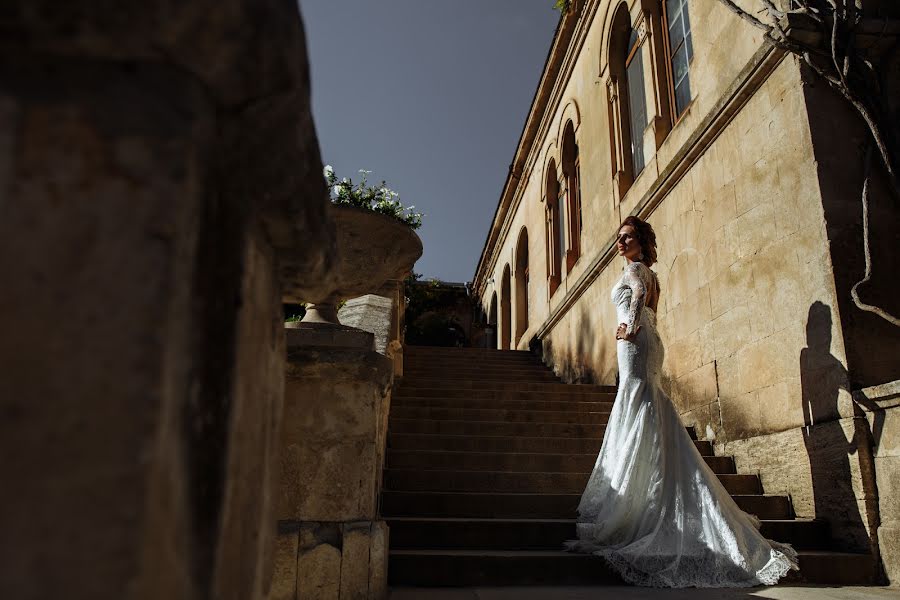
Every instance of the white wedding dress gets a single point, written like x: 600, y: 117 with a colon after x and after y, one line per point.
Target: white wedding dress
x: 652, y: 507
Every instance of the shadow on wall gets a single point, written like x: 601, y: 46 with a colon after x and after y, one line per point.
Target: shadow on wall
x: 833, y: 450
x: 575, y: 363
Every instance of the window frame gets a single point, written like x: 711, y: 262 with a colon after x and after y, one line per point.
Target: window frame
x: 670, y: 68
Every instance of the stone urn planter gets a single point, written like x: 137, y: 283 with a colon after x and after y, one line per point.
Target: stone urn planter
x: 371, y: 249
x: 332, y: 539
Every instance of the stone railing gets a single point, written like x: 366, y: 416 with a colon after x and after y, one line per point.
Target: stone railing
x: 332, y: 540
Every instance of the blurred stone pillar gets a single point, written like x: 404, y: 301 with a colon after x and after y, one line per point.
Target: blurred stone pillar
x: 332, y: 542
x: 160, y: 189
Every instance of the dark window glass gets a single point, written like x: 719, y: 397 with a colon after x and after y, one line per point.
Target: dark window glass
x: 637, y: 102
x: 681, y: 50
x: 561, y: 231
x: 578, y: 190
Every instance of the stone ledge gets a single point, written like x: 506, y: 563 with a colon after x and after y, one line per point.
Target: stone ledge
x: 878, y: 397
x: 326, y: 335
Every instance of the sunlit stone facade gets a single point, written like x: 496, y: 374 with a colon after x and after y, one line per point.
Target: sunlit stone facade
x: 751, y: 176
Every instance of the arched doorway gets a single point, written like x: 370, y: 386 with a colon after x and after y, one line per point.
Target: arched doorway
x: 521, y: 285
x: 492, y: 322
x: 571, y: 174
x: 555, y: 224
x: 505, y: 312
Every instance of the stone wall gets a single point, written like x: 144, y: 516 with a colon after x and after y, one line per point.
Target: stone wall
x: 149, y: 237
x: 882, y: 411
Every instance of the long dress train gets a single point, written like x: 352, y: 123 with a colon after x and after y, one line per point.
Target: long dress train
x: 652, y: 507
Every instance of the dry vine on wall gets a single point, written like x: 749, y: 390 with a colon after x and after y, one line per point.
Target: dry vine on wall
x: 833, y: 54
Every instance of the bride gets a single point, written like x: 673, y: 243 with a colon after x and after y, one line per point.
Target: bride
x: 652, y: 507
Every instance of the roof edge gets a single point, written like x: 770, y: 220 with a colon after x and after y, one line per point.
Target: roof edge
x: 562, y: 39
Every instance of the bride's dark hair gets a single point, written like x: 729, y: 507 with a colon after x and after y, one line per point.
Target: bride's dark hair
x: 646, y: 238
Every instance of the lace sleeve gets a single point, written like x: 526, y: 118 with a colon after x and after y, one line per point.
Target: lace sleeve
x: 635, y: 279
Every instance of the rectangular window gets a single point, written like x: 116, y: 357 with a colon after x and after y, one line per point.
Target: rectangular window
x: 681, y: 51
x: 578, y: 189
x: 637, y: 104
x: 561, y: 207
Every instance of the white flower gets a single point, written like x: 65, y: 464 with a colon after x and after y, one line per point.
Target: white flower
x: 364, y: 172
x: 328, y: 171
x: 337, y: 189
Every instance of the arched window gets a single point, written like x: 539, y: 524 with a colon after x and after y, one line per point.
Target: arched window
x: 680, y: 50
x: 572, y: 178
x: 521, y: 285
x: 492, y: 321
x: 637, y: 100
x: 627, y: 99
x: 505, y: 312
x: 555, y: 219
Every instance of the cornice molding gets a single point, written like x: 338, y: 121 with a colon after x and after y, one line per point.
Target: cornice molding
x: 574, y: 29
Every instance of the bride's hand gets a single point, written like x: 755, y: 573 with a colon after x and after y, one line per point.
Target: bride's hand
x: 622, y: 332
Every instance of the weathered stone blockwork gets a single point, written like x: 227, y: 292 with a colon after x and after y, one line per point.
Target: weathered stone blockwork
x: 331, y: 561
x: 333, y: 438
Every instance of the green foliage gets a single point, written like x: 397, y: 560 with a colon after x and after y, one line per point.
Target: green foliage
x: 380, y: 198
x: 562, y: 5
x: 293, y: 312
x: 426, y: 320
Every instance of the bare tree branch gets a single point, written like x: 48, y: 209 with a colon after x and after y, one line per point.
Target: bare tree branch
x: 745, y: 15
x: 868, y: 255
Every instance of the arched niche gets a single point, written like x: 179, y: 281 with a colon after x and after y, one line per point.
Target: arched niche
x: 492, y: 321
x: 522, y: 275
x: 555, y: 227
x: 505, y: 310
x: 571, y: 114
x: 571, y: 168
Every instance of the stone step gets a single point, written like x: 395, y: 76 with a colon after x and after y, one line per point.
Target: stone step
x: 521, y: 482
x: 597, y: 416
x: 534, y: 567
x: 472, y: 443
x: 452, y: 364
x: 411, y: 350
x: 491, y: 374
x: 527, y: 360
x: 549, y: 534
x: 456, y: 568
x: 406, y: 392
x: 579, y: 405
x: 532, y: 506
x: 498, y: 428
x: 514, y: 461
x: 445, y: 382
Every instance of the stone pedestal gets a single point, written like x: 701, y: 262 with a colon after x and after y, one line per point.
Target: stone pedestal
x: 332, y: 542
x: 380, y: 313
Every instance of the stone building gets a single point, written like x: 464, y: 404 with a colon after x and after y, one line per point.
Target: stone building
x: 750, y: 170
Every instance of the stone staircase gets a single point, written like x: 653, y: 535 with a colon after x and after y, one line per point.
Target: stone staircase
x: 488, y: 454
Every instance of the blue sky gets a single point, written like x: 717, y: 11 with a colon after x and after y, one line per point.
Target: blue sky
x: 431, y: 96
